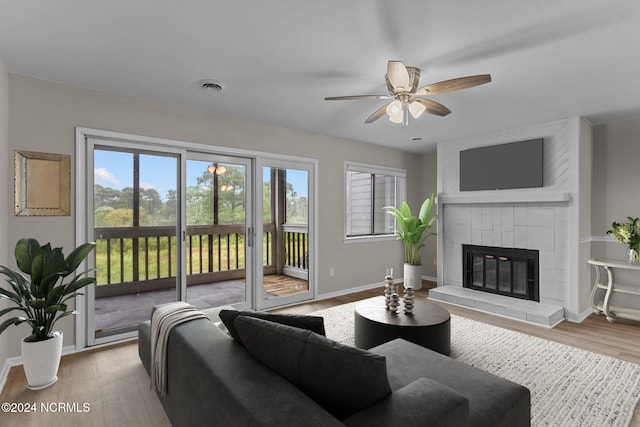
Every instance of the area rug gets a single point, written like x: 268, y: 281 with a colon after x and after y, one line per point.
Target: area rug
x: 569, y: 386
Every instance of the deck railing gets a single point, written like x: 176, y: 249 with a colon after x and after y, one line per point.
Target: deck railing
x: 138, y: 259
x: 296, y: 244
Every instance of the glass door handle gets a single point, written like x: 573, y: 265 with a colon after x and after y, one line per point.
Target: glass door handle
x: 250, y: 237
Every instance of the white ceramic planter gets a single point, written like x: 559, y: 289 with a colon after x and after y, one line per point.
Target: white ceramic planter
x: 413, y: 276
x: 41, y: 360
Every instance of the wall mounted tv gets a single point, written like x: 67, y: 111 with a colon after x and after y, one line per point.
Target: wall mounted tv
x: 497, y: 167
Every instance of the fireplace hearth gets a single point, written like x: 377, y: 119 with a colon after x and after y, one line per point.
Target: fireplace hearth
x: 504, y: 271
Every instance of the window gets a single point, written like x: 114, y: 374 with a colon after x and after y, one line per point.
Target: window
x: 368, y: 190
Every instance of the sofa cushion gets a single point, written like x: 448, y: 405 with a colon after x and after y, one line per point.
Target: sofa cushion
x: 340, y: 378
x: 311, y: 323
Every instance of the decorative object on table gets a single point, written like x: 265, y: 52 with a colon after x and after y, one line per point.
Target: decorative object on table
x: 41, y: 294
x: 411, y: 231
x: 629, y: 234
x: 388, y: 287
x: 394, y: 305
x: 409, y: 298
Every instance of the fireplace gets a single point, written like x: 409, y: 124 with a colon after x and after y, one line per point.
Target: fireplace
x: 504, y: 271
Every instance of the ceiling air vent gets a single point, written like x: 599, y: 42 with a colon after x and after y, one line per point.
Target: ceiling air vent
x: 210, y: 85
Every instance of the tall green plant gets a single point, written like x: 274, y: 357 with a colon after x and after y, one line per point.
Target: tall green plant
x: 40, y: 293
x: 411, y: 229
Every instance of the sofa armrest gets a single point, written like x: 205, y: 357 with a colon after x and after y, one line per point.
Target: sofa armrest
x: 422, y: 403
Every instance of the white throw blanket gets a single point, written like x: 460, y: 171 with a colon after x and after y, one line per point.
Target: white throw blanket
x: 163, y: 320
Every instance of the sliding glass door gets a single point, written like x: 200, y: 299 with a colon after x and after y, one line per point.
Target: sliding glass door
x: 176, y: 223
x: 163, y: 235
x: 135, y: 227
x: 287, y: 233
x: 218, y: 236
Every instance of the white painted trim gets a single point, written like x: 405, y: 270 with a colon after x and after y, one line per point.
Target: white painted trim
x: 352, y: 290
x: 498, y: 196
x: 80, y: 219
x: 602, y: 239
x: 368, y: 168
x: 400, y: 195
x: 369, y: 239
x: 582, y: 316
x: 8, y: 364
x: 362, y: 288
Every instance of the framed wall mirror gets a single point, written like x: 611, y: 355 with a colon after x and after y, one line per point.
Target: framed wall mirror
x: 42, y: 184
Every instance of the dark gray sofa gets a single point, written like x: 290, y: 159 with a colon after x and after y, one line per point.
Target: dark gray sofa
x: 213, y: 380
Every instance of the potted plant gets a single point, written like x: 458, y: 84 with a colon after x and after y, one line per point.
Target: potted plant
x: 39, y: 292
x: 412, y: 231
x: 629, y: 234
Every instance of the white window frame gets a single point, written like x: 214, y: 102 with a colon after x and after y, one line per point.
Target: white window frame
x: 401, y: 188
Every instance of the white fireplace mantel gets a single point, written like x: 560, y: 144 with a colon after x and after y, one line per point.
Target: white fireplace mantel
x: 548, y: 219
x: 506, y: 197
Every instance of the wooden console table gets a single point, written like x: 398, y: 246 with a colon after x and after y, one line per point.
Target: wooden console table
x: 612, y: 287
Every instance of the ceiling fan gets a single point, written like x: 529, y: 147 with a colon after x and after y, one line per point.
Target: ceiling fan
x: 402, y: 83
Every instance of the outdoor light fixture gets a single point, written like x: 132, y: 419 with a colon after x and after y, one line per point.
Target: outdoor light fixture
x: 217, y: 169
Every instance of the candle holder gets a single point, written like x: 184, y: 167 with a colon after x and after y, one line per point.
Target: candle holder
x: 394, y: 305
x: 409, y: 298
x: 389, y: 289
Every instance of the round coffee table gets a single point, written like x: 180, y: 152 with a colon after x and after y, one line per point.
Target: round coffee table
x: 429, y: 326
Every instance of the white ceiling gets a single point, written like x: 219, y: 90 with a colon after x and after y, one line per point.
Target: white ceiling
x: 278, y: 59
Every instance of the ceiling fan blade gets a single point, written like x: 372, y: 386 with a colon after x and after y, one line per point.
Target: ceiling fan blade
x: 350, y: 97
x: 398, y: 75
x: 433, y: 107
x: 377, y: 114
x: 454, y: 84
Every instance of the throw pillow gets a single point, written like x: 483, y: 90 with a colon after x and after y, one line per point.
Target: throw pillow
x: 340, y: 378
x: 311, y: 323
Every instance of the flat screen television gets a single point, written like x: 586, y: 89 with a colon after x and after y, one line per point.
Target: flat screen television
x: 497, y: 167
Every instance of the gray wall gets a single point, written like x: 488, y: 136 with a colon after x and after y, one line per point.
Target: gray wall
x: 427, y: 176
x: 44, y: 116
x: 616, y: 182
x: 615, y: 195
x: 4, y: 191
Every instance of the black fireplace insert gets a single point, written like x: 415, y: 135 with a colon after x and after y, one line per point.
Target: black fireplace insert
x: 504, y: 271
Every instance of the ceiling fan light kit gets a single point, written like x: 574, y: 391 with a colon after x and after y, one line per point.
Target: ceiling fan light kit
x: 402, y: 83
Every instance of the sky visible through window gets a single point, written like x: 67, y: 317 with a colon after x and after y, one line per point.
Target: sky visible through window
x: 115, y: 170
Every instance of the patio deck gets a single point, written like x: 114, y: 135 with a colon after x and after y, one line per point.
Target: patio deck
x: 125, y: 310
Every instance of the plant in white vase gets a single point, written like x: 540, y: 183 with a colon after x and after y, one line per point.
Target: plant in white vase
x: 39, y: 292
x: 413, y: 232
x: 628, y: 233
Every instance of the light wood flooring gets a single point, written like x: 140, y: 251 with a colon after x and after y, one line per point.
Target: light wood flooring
x: 282, y: 286
x: 112, y: 381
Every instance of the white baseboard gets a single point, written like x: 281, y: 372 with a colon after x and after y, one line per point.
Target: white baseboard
x: 366, y: 288
x: 352, y: 290
x: 588, y: 312
x: 8, y: 364
x: 5, y: 372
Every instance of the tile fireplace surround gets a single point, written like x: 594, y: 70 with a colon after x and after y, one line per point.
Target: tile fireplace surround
x: 546, y: 219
